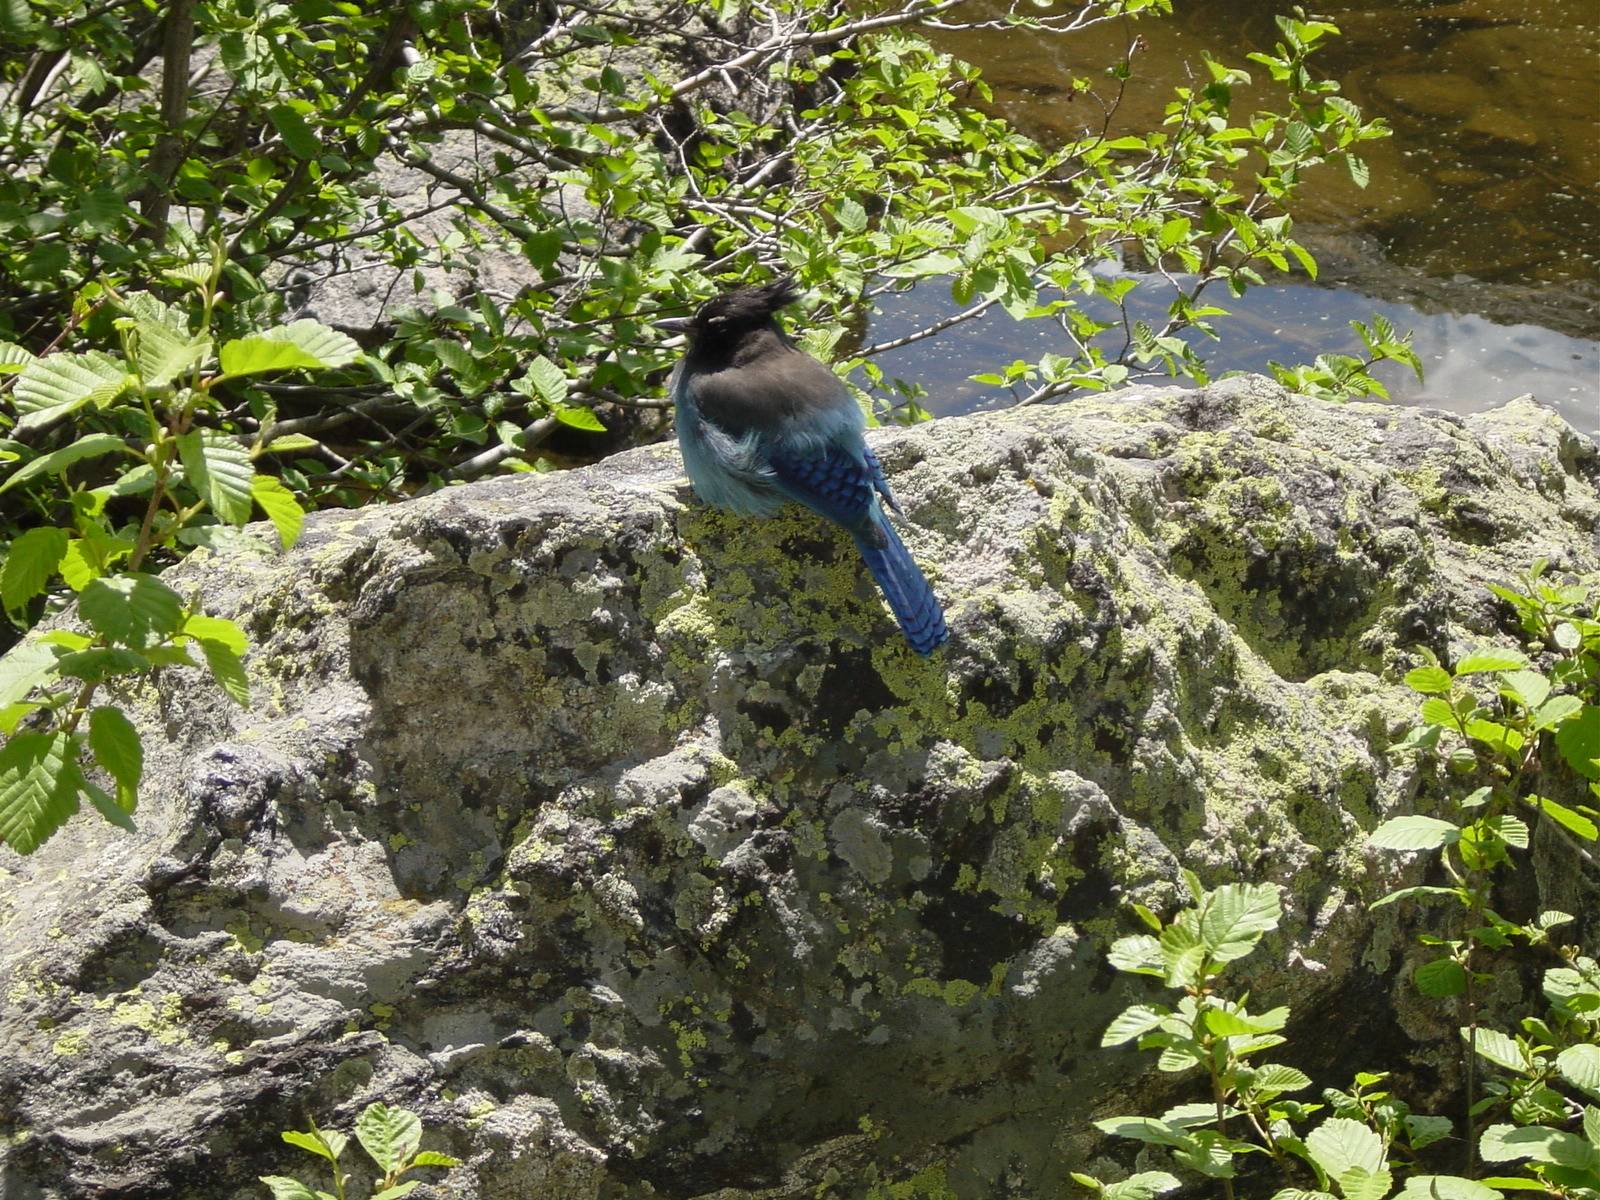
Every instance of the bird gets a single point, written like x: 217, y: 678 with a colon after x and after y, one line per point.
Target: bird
x: 761, y: 423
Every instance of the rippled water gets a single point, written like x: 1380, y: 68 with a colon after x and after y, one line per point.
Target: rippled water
x: 1480, y: 229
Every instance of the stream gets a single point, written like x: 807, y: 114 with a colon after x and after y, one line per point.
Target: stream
x: 1479, y: 231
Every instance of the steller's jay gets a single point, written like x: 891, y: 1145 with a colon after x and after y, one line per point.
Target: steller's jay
x: 761, y: 422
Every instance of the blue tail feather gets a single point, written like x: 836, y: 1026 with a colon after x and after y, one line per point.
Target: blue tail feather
x: 904, y: 586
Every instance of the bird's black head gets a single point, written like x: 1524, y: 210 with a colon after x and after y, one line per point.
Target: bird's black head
x: 733, y: 314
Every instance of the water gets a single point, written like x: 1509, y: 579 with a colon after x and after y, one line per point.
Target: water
x: 1480, y: 229
x: 1470, y: 363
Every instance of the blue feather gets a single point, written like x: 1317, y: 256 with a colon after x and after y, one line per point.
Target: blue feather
x: 916, y: 608
x: 726, y: 471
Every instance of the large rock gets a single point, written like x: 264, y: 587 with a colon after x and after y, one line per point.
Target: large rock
x: 627, y: 842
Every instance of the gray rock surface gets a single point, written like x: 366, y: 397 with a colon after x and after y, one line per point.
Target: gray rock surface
x: 627, y: 842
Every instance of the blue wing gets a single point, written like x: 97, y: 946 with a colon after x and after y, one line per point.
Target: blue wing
x: 828, y: 479
x: 843, y: 485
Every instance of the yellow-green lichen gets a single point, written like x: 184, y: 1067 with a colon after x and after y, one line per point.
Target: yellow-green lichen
x: 70, y: 1043
x: 160, y: 1021
x: 927, y: 1184
x: 957, y: 993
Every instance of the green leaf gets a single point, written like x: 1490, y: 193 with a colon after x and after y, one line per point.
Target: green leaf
x: 91, y: 446
x: 1441, y: 977
x: 219, y: 470
x: 118, y: 750
x: 1424, y: 1131
x: 1572, y: 992
x: 69, y: 639
x: 1182, y: 955
x: 1139, y: 954
x: 324, y: 1144
x: 1415, y: 832
x: 1236, y: 917
x: 1491, y: 660
x: 1131, y: 1023
x: 1148, y: 918
x: 135, y: 482
x: 399, y: 1189
x: 53, y: 386
x: 1511, y: 830
x: 216, y: 629
x: 1146, y: 1185
x: 1437, y: 711
x: 1179, y: 1054
x: 90, y: 557
x: 1507, y: 1143
x: 1538, y: 1106
x: 194, y: 274
x: 100, y: 663
x: 12, y: 356
x: 1580, y: 1066
x: 1275, y: 1077
x: 1358, y: 1183
x: 1422, y: 890
x: 25, y: 666
x: 1446, y: 1187
x: 1304, y: 257
x: 1574, y: 822
x: 164, y: 353
x: 1429, y: 680
x: 580, y: 418
x: 1239, y: 1024
x: 296, y: 134
x: 30, y: 562
x: 1144, y: 1129
x: 548, y: 382
x: 171, y: 655
x: 1339, y: 1145
x: 1173, y: 231
x: 76, y: 567
x: 453, y: 357
x: 38, y: 788
x: 132, y: 609
x: 1555, y: 711
x: 228, y: 670
x: 1497, y: 1048
x: 433, y: 1158
x: 112, y: 810
x: 851, y: 216
x: 281, y: 507
x: 390, y: 1135
x: 290, y: 442
x: 284, y: 1188
x: 1579, y: 742
x: 1529, y: 688
x: 1517, y: 1183
x: 301, y: 345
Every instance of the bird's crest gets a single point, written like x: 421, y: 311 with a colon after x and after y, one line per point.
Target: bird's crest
x: 745, y: 307
x: 781, y: 291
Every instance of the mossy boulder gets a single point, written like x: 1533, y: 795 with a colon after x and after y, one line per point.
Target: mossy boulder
x: 627, y: 842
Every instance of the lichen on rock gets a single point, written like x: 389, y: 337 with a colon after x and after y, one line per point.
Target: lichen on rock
x: 627, y: 842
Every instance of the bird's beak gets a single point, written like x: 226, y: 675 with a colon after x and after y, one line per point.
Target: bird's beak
x: 674, y: 324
